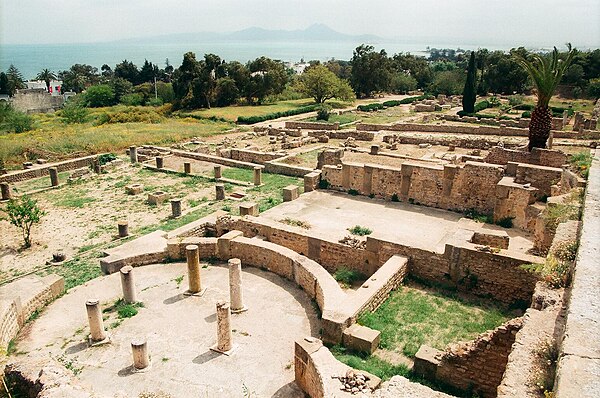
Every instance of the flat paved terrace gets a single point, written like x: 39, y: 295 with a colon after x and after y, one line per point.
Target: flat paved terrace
x: 330, y: 214
x: 179, y: 330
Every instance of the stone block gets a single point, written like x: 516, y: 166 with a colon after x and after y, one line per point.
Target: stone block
x: 361, y: 338
x: 134, y: 189
x: 426, y: 362
x: 249, y: 209
x: 224, y: 244
x: 157, y: 198
x: 291, y: 192
x: 498, y: 239
x: 311, y: 181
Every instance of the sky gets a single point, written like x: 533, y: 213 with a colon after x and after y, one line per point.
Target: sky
x: 522, y: 22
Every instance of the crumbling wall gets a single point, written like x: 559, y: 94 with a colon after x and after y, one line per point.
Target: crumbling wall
x: 36, y: 100
x: 245, y: 155
x: 41, y: 171
x: 539, y: 156
x: 312, y: 126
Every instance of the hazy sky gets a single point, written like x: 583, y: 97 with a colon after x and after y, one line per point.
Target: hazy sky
x: 522, y: 22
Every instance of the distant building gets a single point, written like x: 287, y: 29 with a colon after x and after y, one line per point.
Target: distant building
x: 55, y: 86
x: 297, y: 67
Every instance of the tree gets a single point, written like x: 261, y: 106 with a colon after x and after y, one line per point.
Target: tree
x: 448, y: 82
x: 267, y: 77
x: 74, y: 111
x: 546, y: 73
x: 502, y: 75
x: 227, y: 91
x: 370, y: 71
x: 3, y: 83
x: 78, y: 77
x: 414, y: 66
x: 321, y: 84
x: 148, y: 72
x: 47, y: 76
x: 469, y: 92
x: 128, y: 71
x: 23, y: 213
x: 402, y: 83
x: 15, y: 80
x: 182, y: 80
x: 121, y: 87
x: 100, y: 95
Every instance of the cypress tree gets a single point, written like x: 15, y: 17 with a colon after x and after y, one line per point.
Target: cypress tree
x: 469, y: 93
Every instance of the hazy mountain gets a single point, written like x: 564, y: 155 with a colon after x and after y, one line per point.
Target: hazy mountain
x: 316, y: 32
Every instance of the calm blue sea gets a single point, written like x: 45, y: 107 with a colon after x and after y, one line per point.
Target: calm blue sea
x: 30, y: 59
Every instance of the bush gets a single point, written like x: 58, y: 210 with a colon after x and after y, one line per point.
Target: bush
x: 506, y: 222
x: 353, y: 192
x: 106, y: 158
x: 360, y: 231
x: 155, y: 102
x: 23, y: 213
x: 593, y: 89
x: 515, y: 100
x: 388, y: 104
x: 99, y: 96
x: 74, y: 112
x: 395, y: 198
x: 130, y: 115
x: 324, y: 184
x: 132, y: 99
x: 581, y: 161
x: 323, y: 113
x: 19, y: 122
x: 348, y: 276
x: 275, y: 115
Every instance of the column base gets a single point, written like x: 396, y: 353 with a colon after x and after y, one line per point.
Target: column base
x: 195, y: 294
x: 99, y: 343
x: 228, y: 353
x: 239, y: 311
x: 146, y: 369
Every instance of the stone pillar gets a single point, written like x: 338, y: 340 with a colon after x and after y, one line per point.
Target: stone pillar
x: 550, y: 139
x: 220, y: 188
x: 123, y: 229
x: 565, y: 118
x: 176, y: 207
x: 97, y: 332
x: 139, y: 349
x: 96, y: 166
x: 193, y: 265
x: 223, y: 327
x: 5, y: 188
x: 187, y: 167
x: 53, y: 176
x: 374, y: 149
x: 159, y: 162
x: 127, y: 284
x: 257, y: 175
x: 236, y: 297
x: 217, y: 172
x: 133, y: 154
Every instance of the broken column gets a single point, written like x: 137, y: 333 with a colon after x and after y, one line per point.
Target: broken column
x: 236, y: 296
x: 133, y: 154
x: 193, y: 265
x: 187, y: 167
x: 291, y: 192
x: 176, y: 208
x: 5, y: 189
x: 139, y: 349
x: 123, y: 229
x: 127, y: 284
x: 565, y: 119
x: 257, y: 175
x: 217, y: 169
x: 97, y: 332
x: 159, y: 162
x: 53, y: 176
x: 220, y: 188
x: 223, y: 327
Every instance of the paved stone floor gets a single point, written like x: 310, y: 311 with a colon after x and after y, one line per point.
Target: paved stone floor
x: 179, y: 330
x: 330, y: 214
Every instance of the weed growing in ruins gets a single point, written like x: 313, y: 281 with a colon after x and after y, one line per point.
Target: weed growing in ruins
x: 395, y: 198
x: 360, y: 231
x: 369, y: 363
x: 505, y: 222
x: 353, y: 192
x: 178, y: 280
x: 123, y: 309
x: 23, y: 213
x: 479, y: 217
x: 556, y: 270
x: 324, y: 184
x: 295, y: 223
x: 581, y: 162
x: 547, y: 358
x: 73, y: 199
x: 347, y: 277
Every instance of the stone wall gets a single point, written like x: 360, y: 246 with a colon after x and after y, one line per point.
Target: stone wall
x: 276, y: 167
x: 248, y: 156
x: 359, y: 135
x: 41, y: 171
x: 542, y: 157
x: 471, y: 143
x: 541, y: 177
x: 311, y: 126
x: 36, y: 100
x: 208, y: 158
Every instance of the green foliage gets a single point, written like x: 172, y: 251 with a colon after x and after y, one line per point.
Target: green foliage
x: 323, y: 113
x: 106, y: 158
x: 593, y: 89
x: 23, y: 213
x: 275, y: 115
x: 353, y: 192
x: 479, y: 217
x: 506, y: 222
x: 296, y: 223
x: 448, y: 82
x: 74, y: 112
x: 324, y: 184
x: 360, y: 231
x: 555, y: 272
x: 133, y: 114
x: 123, y: 309
x: 321, y: 84
x: 134, y: 99
x: 155, y: 102
x: 581, y: 161
x: 402, y: 83
x: 395, y: 198
x: 470, y: 91
x: 388, y: 104
x: 371, y: 71
x: 514, y: 100
x: 99, y: 96
x: 348, y: 276
x: 565, y: 250
x: 17, y: 122
x: 369, y: 363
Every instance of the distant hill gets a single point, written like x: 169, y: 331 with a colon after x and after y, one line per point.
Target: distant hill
x: 316, y: 32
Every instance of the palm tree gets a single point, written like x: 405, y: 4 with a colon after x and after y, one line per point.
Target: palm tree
x: 46, y: 76
x: 546, y: 72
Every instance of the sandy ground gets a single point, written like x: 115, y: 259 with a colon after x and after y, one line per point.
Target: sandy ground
x: 179, y: 331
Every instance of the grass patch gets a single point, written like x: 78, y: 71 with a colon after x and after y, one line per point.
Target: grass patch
x: 231, y: 113
x: 369, y: 363
x: 74, y: 199
x: 295, y: 223
x: 581, y: 162
x: 79, y: 270
x: 39, y: 183
x: 124, y: 310
x: 348, y: 277
x: 360, y: 231
x: 411, y: 317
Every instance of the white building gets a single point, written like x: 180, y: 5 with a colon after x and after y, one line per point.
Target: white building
x: 55, y: 85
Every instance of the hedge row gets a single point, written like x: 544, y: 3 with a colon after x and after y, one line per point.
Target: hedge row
x: 557, y: 111
x: 388, y: 104
x: 275, y: 115
x: 481, y: 105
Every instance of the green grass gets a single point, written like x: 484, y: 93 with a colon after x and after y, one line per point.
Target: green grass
x: 411, y: 317
x: 233, y: 112
x: 335, y: 118
x: 72, y: 199
x: 369, y: 363
x: 39, y: 183
x: 79, y: 270
x: 581, y: 162
x: 347, y: 276
x: 124, y: 310
x: 360, y: 231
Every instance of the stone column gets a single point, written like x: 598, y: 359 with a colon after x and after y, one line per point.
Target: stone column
x: 550, y: 139
x: 159, y: 162
x: 193, y: 265
x: 133, y: 154
x: 96, y: 166
x: 127, y: 284
x: 223, y: 327
x: 217, y: 172
x: 123, y: 229
x: 565, y: 118
x: 176, y: 207
x: 97, y: 332
x: 220, y: 188
x: 187, y: 167
x: 236, y: 296
x: 53, y: 176
x: 5, y: 188
x: 257, y: 175
x: 139, y: 349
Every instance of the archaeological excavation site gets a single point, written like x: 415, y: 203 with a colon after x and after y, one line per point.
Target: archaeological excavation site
x: 404, y: 252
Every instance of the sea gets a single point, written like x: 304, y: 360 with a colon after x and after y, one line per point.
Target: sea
x: 30, y: 59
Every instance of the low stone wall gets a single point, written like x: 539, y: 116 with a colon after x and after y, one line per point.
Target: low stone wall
x: 579, y: 361
x: 471, y: 143
x: 248, y: 156
x: 276, y: 167
x: 41, y: 171
x: 21, y: 298
x: 541, y: 157
x: 208, y: 158
x: 311, y: 126
x: 541, y: 177
x: 344, y: 134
